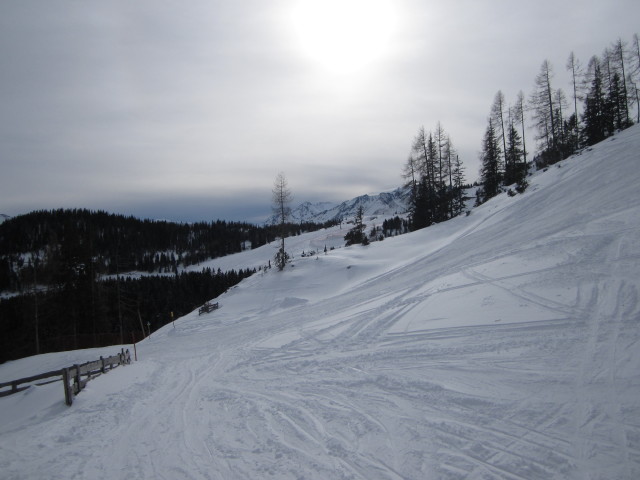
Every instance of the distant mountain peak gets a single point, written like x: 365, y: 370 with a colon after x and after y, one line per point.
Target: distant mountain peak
x: 385, y: 203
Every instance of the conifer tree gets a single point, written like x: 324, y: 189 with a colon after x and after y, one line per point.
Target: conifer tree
x: 458, y: 187
x: 595, y: 112
x: 514, y: 168
x: 424, y: 213
x: 356, y: 235
x: 490, y: 160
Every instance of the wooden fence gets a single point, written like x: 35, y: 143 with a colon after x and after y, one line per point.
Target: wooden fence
x: 72, y: 377
x: 207, y: 308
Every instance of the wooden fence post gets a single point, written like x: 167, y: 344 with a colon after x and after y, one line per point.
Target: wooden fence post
x: 77, y: 385
x: 68, y: 395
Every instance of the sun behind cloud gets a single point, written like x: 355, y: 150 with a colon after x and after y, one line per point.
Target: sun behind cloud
x: 342, y: 36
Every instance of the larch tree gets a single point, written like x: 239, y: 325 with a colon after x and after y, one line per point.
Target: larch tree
x: 634, y: 76
x: 418, y: 167
x: 542, y: 107
x: 450, y: 155
x: 418, y: 154
x: 282, y: 198
x: 411, y: 176
x: 575, y: 68
x: 619, y: 54
x: 636, y: 52
x: 424, y: 206
x: 497, y: 116
x: 518, y: 114
x: 560, y: 103
x: 440, y: 138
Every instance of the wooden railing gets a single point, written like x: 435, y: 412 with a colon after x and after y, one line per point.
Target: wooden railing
x: 72, y: 377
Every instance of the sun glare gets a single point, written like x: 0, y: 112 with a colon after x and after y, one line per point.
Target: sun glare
x: 344, y: 35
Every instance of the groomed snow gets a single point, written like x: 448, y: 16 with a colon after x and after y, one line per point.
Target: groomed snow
x: 500, y: 345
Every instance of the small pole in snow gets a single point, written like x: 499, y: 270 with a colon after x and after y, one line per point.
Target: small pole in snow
x: 172, y: 321
x: 149, y: 328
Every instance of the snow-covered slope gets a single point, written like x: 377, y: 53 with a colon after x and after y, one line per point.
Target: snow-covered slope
x: 500, y: 345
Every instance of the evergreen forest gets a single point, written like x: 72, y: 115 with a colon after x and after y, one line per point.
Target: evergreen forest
x: 80, y: 278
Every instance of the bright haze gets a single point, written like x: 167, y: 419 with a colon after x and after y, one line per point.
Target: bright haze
x: 188, y: 110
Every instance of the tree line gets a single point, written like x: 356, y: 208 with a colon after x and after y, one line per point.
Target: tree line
x: 85, y: 313
x: 66, y: 272
x: 600, y: 103
x: 40, y: 246
x: 434, y: 175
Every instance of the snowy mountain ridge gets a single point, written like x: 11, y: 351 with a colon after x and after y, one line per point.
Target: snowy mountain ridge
x: 500, y: 345
x: 383, y: 204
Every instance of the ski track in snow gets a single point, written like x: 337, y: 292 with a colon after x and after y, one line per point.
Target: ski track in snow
x: 502, y: 345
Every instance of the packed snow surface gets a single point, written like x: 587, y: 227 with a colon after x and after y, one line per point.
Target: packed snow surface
x: 499, y: 345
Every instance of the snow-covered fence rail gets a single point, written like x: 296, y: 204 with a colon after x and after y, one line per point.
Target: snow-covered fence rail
x: 71, y: 377
x: 14, y: 384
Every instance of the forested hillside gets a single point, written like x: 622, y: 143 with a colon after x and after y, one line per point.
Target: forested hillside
x: 41, y: 242
x: 66, y: 276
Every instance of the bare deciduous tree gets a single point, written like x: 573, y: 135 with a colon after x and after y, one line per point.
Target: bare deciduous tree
x: 542, y: 107
x: 497, y: 117
x: 574, y: 66
x: 518, y: 110
x: 282, y: 198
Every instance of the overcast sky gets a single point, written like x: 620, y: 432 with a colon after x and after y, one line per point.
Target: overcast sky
x: 187, y: 110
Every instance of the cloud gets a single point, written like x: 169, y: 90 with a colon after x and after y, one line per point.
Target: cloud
x: 122, y: 105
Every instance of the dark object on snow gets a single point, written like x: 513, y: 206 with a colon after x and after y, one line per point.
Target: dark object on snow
x: 207, y: 307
